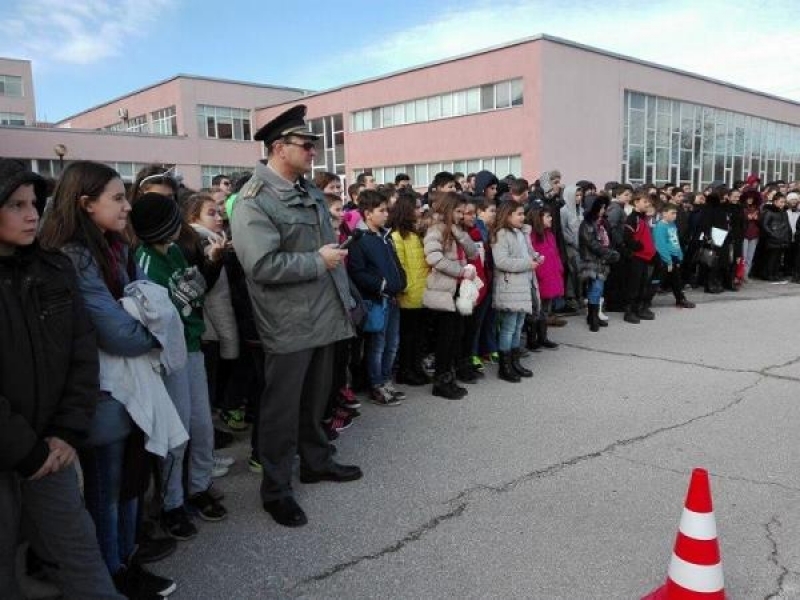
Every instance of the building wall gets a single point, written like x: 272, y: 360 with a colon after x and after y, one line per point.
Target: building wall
x: 25, y: 105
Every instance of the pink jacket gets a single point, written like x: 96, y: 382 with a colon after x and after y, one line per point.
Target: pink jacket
x: 550, y: 274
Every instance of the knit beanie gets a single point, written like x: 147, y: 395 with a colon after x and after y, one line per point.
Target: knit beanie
x: 155, y: 218
x: 13, y: 174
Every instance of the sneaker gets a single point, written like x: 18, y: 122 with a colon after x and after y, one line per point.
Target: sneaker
x: 341, y: 420
x: 349, y: 398
x: 224, y: 461
x: 218, y: 470
x: 207, y: 508
x: 254, y: 465
x: 177, y: 524
x: 330, y: 430
x: 382, y: 397
x: 234, y: 419
x: 389, y: 387
x: 138, y: 582
x: 477, y: 363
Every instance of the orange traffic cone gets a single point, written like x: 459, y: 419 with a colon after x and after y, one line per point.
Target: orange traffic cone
x: 695, y: 571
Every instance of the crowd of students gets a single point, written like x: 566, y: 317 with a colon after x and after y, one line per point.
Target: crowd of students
x: 128, y: 326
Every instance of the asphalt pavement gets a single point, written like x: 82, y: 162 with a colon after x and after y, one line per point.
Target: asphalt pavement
x: 566, y: 486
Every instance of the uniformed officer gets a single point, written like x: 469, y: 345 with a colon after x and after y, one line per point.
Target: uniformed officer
x: 285, y: 241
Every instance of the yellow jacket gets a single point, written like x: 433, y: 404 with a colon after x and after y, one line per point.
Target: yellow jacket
x: 412, y: 258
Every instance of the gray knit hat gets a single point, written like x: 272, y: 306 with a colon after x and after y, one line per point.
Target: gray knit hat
x: 155, y: 218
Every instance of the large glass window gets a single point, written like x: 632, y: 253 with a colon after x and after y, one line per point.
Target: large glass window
x: 492, y: 96
x: 211, y: 171
x: 223, y: 122
x: 9, y: 118
x: 11, y: 85
x: 165, y: 121
x: 667, y: 140
x: 330, y: 154
x: 423, y: 173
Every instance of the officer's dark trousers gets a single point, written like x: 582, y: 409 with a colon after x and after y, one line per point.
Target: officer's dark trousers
x: 296, y: 389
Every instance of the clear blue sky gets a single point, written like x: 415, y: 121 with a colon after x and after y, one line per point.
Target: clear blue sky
x: 85, y: 52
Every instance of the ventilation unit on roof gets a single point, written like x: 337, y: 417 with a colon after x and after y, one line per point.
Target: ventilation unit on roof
x: 123, y: 113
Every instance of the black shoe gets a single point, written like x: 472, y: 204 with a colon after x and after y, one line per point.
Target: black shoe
x: 631, y: 317
x: 541, y: 335
x: 137, y: 582
x: 151, y: 549
x: 286, y: 511
x: 222, y: 439
x: 464, y: 371
x: 646, y: 314
x: 335, y: 472
x: 517, y: 366
x: 206, y: 507
x: 410, y: 378
x: 593, y: 319
x: 684, y: 303
x: 177, y: 524
x: 505, y: 371
x: 444, y: 386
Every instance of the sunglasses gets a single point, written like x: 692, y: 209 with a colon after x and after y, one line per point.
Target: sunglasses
x: 307, y: 146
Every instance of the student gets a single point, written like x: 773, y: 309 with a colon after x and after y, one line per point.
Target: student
x: 550, y: 274
x: 374, y: 268
x: 405, y: 223
x: 157, y: 221
x: 46, y: 408
x: 776, y: 235
x: 665, y: 237
x: 614, y: 288
x: 88, y: 218
x: 639, y: 241
x: 484, y: 346
x: 329, y: 183
x: 596, y: 254
x: 447, y: 249
x: 514, y: 263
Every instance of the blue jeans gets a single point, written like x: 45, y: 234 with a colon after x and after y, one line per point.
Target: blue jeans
x: 114, y: 521
x: 749, y: 251
x: 188, y: 389
x: 381, y: 347
x: 595, y: 290
x: 102, y: 462
x: 510, y: 325
x: 485, y: 341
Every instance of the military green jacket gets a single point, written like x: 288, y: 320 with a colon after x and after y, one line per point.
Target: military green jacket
x: 278, y: 228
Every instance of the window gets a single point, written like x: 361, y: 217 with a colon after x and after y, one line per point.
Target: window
x: 138, y: 125
x: 669, y: 140
x: 492, y: 96
x: 210, y: 171
x: 11, y: 85
x: 9, y: 118
x: 422, y: 174
x: 331, y: 147
x: 223, y: 122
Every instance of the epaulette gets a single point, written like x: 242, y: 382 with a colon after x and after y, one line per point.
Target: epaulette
x: 251, y: 188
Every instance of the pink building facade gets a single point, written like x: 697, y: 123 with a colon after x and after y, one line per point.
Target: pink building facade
x: 544, y: 103
x: 537, y: 104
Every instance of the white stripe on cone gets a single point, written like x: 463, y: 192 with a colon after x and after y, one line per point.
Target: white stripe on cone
x: 696, y: 578
x: 698, y: 526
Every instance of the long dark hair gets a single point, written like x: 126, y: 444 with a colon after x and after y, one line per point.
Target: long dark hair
x: 536, y: 220
x: 402, y: 215
x: 444, y: 204
x: 506, y: 209
x: 68, y: 221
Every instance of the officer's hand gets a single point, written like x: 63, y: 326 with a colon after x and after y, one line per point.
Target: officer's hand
x: 332, y: 255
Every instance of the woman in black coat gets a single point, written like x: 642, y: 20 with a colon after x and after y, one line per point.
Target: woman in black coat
x: 776, y: 236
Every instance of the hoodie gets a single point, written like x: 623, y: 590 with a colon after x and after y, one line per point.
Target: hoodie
x: 484, y: 179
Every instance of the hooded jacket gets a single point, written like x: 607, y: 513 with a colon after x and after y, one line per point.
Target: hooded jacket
x: 775, y: 227
x: 595, y: 255
x: 373, y: 265
x: 484, y: 179
x: 549, y: 274
x: 446, y: 266
x: 48, y: 363
x: 513, y: 270
x: 570, y: 221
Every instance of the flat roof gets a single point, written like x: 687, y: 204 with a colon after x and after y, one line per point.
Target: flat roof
x: 184, y: 76
x: 536, y: 38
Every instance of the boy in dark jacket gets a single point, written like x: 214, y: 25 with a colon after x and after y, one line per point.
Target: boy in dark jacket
x: 48, y: 392
x: 376, y: 271
x: 639, y: 242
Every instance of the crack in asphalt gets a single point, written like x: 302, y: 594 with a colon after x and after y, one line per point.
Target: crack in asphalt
x: 764, y: 371
x: 463, y: 499
x: 783, y: 571
x: 737, y: 478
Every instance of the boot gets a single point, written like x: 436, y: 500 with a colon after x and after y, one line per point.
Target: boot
x: 541, y: 333
x: 464, y: 371
x: 444, y: 385
x: 600, y: 314
x: 506, y: 371
x: 532, y: 342
x: 594, y: 318
x: 645, y: 313
x: 517, y: 366
x: 632, y: 314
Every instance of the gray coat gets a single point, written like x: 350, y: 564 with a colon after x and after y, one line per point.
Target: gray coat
x: 446, y: 267
x: 278, y: 228
x: 513, y: 270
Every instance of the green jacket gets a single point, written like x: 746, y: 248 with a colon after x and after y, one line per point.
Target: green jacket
x: 166, y: 270
x: 278, y: 228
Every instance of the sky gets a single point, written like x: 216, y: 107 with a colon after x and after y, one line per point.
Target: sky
x: 86, y: 52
